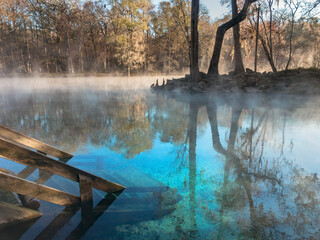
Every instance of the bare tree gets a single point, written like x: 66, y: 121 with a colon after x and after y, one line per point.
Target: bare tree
x: 194, y: 60
x: 238, y: 63
x: 294, y: 7
x: 214, y: 63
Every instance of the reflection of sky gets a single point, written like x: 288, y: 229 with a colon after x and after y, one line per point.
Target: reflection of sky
x: 306, y: 145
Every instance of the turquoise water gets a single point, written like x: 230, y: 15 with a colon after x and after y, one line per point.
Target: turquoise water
x: 195, y: 167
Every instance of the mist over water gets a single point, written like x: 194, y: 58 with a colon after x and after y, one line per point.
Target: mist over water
x: 236, y: 166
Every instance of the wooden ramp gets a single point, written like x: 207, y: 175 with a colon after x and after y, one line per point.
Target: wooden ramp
x: 142, y: 200
x: 34, y: 154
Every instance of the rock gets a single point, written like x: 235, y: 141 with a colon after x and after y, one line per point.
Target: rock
x: 269, y: 73
x: 203, y: 75
x: 248, y: 70
x: 252, y: 90
x: 170, y: 82
x: 29, y: 202
x: 234, y: 89
x: 252, y: 81
x: 10, y: 197
x: 202, y: 84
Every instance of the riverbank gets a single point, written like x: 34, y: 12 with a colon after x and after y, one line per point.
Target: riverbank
x: 296, y: 81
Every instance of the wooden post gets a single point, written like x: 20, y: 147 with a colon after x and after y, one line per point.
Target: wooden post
x: 194, y: 69
x: 85, y: 224
x: 257, y: 38
x: 86, y: 196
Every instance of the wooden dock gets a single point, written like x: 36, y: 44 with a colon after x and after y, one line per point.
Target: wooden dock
x: 142, y: 200
x: 34, y: 154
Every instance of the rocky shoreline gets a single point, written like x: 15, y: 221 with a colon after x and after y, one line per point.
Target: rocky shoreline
x: 297, y: 81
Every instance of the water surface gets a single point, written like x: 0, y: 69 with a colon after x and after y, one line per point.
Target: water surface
x: 195, y: 167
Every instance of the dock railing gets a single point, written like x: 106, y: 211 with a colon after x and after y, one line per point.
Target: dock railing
x: 34, y: 154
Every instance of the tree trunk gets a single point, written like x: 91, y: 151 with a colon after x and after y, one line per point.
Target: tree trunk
x: 194, y: 66
x: 269, y: 57
x: 290, y: 41
x: 238, y: 63
x: 270, y: 30
x: 70, y: 63
x: 214, y: 63
x: 257, y: 39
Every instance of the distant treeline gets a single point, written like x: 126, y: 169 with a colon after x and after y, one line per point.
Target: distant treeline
x: 136, y: 37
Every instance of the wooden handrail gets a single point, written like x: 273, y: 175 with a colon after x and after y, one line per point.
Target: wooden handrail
x: 25, y: 150
x: 14, y: 136
x: 28, y: 157
x: 32, y: 189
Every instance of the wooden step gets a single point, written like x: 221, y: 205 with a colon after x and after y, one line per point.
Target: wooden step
x: 11, y: 214
x: 135, y: 180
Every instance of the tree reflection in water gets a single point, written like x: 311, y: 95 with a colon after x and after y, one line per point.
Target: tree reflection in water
x: 259, y: 193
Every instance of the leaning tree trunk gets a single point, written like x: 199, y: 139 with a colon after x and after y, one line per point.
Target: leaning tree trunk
x: 214, y: 63
x: 269, y: 56
x: 238, y: 63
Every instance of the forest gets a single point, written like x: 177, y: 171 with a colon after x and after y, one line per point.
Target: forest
x: 126, y: 37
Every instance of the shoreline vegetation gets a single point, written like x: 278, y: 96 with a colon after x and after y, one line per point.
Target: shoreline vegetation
x: 294, y: 81
x: 139, y: 37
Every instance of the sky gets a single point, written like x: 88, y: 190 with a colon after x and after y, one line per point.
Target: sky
x: 214, y: 7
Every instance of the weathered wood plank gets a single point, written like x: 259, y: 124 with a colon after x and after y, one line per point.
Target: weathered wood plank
x: 86, y: 197
x: 11, y: 214
x: 17, y: 230
x: 26, y: 156
x: 21, y: 186
x: 146, y: 189
x: 33, y: 143
x: 44, y: 176
x: 26, y: 172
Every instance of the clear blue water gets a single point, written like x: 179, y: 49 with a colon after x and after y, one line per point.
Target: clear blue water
x: 195, y: 167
